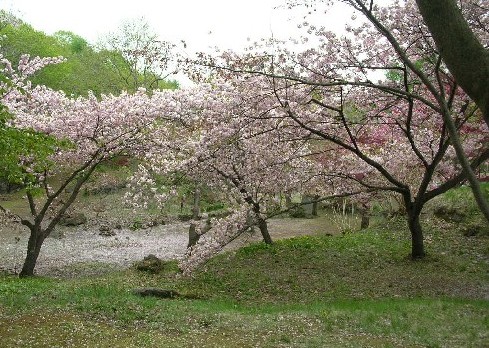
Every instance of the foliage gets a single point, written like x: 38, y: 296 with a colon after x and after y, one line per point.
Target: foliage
x: 16, y: 145
x: 85, y: 69
x: 140, y: 58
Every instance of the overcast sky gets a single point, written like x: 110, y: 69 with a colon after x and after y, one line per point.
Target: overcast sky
x: 201, y: 23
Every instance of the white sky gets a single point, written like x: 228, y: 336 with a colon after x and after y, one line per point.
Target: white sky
x: 201, y: 23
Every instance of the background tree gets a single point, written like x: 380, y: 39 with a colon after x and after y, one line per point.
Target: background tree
x: 140, y: 58
x: 86, y: 68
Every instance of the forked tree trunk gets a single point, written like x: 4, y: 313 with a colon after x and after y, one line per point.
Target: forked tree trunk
x: 34, y: 244
x: 38, y: 234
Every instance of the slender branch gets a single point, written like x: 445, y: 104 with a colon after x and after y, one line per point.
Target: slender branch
x: 32, y: 204
x: 402, y: 187
x: 409, y: 120
x: 457, y: 179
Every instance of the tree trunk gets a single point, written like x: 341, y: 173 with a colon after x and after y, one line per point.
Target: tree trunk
x: 194, y: 237
x: 262, y: 225
x: 364, y: 210
x: 417, y: 243
x: 288, y: 200
x: 315, y: 206
x: 462, y: 52
x: 365, y: 222
x: 33, y: 249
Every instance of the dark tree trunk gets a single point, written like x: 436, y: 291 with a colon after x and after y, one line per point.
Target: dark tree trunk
x: 365, y: 222
x: 417, y: 243
x: 33, y: 249
x: 315, y: 206
x: 263, y: 226
x: 194, y: 237
x: 463, y: 53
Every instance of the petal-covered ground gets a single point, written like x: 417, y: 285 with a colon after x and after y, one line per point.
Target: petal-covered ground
x: 79, y: 251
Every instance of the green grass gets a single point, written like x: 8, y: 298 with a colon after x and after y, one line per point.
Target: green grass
x: 461, y: 203
x: 354, y: 290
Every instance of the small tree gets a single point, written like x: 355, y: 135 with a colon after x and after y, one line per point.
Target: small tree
x: 78, y: 134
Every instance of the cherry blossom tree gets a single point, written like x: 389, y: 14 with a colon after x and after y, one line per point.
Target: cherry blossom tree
x: 231, y: 148
x: 87, y: 132
x: 414, y: 132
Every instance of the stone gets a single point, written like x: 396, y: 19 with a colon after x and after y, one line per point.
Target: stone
x: 106, y: 231
x: 150, y: 264
x: 73, y: 219
x: 449, y: 214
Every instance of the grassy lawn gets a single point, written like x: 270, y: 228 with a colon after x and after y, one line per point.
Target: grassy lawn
x: 353, y: 290
x: 344, y: 290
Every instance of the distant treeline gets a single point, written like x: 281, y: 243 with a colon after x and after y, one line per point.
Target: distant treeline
x: 87, y: 68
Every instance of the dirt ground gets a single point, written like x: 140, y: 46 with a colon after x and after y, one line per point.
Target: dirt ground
x: 77, y: 251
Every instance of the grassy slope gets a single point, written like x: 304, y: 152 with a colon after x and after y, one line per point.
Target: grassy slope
x: 338, y: 291
x: 353, y: 290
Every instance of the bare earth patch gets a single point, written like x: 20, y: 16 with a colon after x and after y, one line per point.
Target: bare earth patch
x: 81, y: 251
